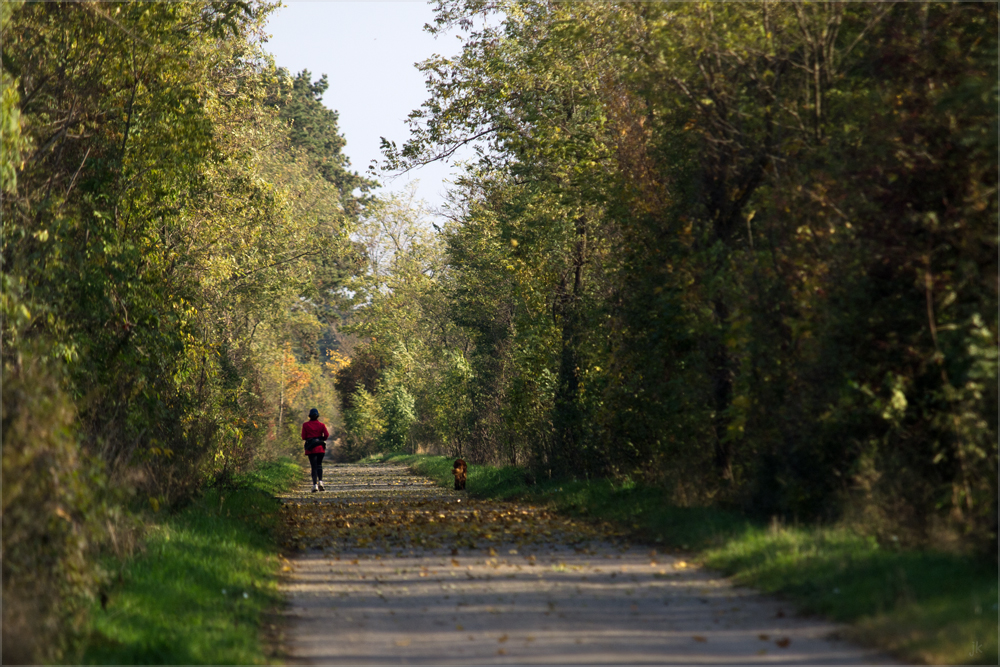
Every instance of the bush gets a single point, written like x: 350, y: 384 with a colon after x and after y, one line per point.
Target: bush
x: 52, y: 518
x: 398, y: 407
x: 364, y: 423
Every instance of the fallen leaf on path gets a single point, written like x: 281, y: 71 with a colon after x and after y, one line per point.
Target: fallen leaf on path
x: 783, y: 642
x: 699, y: 638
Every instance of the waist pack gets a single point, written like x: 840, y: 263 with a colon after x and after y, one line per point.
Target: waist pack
x: 312, y: 442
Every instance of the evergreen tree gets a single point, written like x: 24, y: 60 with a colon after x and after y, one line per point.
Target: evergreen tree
x: 314, y: 128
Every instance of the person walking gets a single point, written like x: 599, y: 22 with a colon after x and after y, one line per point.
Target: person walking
x: 314, y: 434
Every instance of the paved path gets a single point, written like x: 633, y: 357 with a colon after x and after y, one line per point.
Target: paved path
x: 391, y: 569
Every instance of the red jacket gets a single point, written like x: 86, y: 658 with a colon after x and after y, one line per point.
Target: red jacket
x: 315, y: 429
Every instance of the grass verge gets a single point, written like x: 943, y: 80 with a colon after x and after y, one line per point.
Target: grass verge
x: 922, y: 606
x: 199, y: 590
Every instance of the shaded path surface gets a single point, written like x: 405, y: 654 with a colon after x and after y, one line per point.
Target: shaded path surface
x: 389, y: 568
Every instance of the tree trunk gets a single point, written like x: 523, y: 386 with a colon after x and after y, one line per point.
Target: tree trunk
x: 567, y: 414
x: 722, y: 392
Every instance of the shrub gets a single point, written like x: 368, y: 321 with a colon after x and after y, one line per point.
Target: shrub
x: 51, y: 515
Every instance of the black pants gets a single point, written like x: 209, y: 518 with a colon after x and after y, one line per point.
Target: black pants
x: 316, y: 461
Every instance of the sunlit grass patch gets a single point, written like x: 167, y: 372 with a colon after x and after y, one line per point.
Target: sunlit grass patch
x: 482, y: 481
x: 197, y: 593
x: 944, y: 629
x: 927, y: 606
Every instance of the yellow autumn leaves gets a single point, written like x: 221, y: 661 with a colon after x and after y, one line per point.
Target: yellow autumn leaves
x: 391, y: 516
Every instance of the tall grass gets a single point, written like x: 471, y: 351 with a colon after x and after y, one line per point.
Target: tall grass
x: 200, y: 589
x: 924, y: 606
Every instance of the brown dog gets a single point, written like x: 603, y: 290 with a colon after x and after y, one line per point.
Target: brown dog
x: 459, y: 470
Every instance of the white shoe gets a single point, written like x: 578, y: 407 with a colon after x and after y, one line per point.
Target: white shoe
x: 314, y: 488
x: 321, y: 486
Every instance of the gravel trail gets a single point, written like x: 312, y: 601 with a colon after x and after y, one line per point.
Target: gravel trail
x: 385, y: 567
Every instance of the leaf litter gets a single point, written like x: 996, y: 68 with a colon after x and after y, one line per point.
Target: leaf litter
x: 392, y: 566
x: 396, y: 513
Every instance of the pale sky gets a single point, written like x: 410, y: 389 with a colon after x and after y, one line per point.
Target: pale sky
x: 367, y: 50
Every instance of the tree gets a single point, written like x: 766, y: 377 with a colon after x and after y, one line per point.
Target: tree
x: 158, y: 247
x: 314, y: 129
x: 672, y: 260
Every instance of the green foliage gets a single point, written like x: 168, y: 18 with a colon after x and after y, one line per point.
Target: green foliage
x: 743, y: 252
x: 109, y: 235
x: 449, y: 403
x: 484, y: 481
x: 364, y: 423
x: 361, y: 373
x: 166, y: 241
x: 926, y: 606
x: 405, y: 383
x: 54, y: 513
x: 206, y: 578
x: 397, y: 406
x: 314, y: 129
x: 12, y: 142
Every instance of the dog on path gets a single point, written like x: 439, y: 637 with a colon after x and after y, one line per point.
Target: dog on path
x: 459, y: 470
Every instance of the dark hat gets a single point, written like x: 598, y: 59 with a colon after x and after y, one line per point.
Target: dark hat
x: 314, y: 414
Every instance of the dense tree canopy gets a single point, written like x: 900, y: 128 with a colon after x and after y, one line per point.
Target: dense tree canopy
x: 313, y: 128
x: 176, y: 220
x: 743, y: 251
